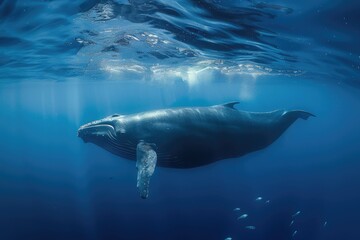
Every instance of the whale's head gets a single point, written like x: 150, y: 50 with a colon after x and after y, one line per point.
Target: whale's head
x: 100, y: 132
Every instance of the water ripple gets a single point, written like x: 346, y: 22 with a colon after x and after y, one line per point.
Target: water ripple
x: 55, y: 40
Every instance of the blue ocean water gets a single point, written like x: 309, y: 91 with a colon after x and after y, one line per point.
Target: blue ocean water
x: 66, y: 63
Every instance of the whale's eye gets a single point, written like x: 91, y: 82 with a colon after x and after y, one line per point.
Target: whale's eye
x: 115, y: 115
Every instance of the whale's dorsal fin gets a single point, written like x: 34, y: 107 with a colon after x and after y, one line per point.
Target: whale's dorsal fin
x: 230, y: 104
x: 145, y: 164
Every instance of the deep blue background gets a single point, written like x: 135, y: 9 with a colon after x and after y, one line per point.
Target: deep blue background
x: 66, y: 63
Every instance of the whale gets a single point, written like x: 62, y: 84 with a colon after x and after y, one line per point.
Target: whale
x: 187, y: 137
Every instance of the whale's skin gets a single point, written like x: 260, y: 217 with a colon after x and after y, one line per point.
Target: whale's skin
x: 193, y: 136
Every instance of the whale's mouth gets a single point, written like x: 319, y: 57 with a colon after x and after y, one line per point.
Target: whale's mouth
x: 96, y: 131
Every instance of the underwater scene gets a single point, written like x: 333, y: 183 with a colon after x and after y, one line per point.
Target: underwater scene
x: 174, y: 120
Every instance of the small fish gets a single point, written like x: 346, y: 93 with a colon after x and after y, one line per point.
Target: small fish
x: 236, y: 209
x: 296, y: 214
x: 228, y: 238
x: 258, y: 199
x: 325, y: 223
x: 267, y: 201
x: 292, y: 222
x: 250, y: 227
x: 242, y: 216
x: 294, y: 233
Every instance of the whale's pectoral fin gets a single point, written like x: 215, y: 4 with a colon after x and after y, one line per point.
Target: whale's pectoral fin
x: 145, y: 163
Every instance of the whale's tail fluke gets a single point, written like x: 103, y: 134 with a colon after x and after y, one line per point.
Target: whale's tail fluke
x: 289, y: 117
x: 300, y: 114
